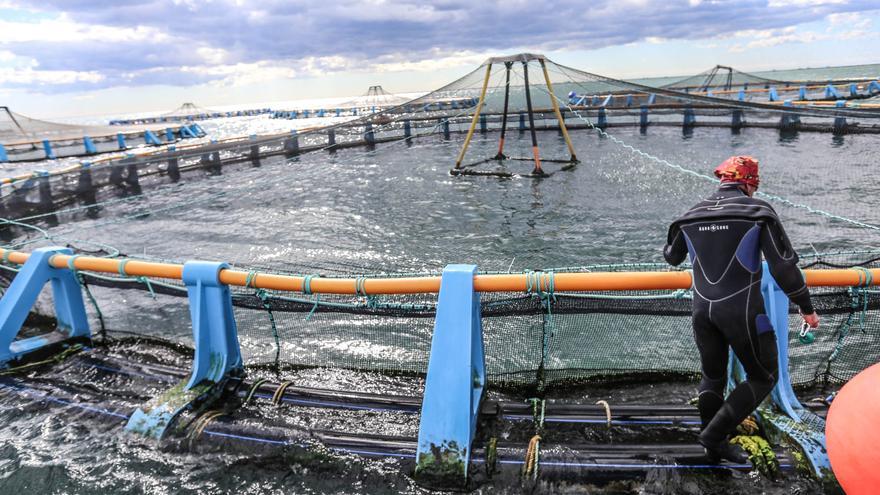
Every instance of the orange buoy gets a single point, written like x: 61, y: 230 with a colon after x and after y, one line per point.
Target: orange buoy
x: 852, y: 433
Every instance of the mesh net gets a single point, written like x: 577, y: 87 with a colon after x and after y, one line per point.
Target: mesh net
x: 132, y: 206
x: 22, y: 137
x: 533, y: 341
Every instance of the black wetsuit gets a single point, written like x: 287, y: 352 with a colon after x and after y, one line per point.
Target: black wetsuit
x: 725, y: 235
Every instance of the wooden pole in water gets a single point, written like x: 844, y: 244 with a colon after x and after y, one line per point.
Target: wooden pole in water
x: 557, y: 112
x: 470, y: 133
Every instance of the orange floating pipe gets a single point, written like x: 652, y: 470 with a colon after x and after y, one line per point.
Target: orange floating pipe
x: 562, y: 282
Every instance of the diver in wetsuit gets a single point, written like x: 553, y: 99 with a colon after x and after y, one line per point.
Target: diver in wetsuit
x: 725, y: 235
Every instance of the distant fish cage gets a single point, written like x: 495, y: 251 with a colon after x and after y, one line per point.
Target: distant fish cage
x: 26, y: 139
x: 189, y: 112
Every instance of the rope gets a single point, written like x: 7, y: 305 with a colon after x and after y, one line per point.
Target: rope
x: 532, y: 459
x: 543, y: 284
x: 607, y: 410
x: 251, y: 278
x: 202, y: 423
x: 52, y: 360
x: 360, y: 286
x: 688, y: 171
x: 278, y: 396
x: 81, y: 281
x: 253, y: 390
x: 146, y: 281
x: 263, y: 295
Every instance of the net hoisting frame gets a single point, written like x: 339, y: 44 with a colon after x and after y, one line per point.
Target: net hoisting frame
x: 509, y: 61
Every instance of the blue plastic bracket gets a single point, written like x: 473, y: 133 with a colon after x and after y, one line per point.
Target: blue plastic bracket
x: 47, y: 148
x: 831, y: 92
x: 3, y: 156
x: 772, y: 94
x: 120, y: 140
x: 788, y: 420
x: 169, y: 135
x: 802, y: 93
x: 873, y: 87
x: 217, y: 354
x: 70, y: 311
x: 89, y: 145
x: 186, y: 132
x: 151, y: 138
x: 799, y: 424
x: 455, y: 381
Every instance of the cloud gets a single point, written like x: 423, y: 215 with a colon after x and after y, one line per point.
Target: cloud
x: 236, y: 42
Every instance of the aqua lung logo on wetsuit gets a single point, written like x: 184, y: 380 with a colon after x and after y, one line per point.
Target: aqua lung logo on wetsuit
x: 713, y: 228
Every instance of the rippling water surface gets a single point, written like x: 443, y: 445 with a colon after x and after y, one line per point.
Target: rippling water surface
x: 396, y: 209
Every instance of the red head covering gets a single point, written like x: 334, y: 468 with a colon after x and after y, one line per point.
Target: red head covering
x: 742, y: 169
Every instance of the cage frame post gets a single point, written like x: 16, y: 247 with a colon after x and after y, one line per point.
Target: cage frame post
x: 556, y: 111
x: 475, y: 119
x: 217, y: 356
x: 455, y: 382
x: 22, y: 294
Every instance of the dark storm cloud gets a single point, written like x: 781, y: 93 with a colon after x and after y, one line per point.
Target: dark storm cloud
x: 410, y: 31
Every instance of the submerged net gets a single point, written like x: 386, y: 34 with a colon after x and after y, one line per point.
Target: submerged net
x: 282, y: 185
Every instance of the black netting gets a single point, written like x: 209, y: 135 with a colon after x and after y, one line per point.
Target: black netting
x: 532, y: 341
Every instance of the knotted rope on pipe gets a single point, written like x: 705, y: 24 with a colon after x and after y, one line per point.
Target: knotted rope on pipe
x: 253, y: 390
x: 278, y: 396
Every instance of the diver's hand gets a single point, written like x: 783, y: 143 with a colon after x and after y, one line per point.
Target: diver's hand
x: 811, y: 319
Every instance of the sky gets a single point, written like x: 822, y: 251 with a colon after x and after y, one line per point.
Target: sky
x: 62, y: 58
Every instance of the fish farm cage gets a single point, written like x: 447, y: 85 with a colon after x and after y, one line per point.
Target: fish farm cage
x: 466, y: 334
x: 24, y: 139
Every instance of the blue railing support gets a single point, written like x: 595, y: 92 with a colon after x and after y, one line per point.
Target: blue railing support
x: 772, y: 94
x: 22, y: 294
x: 217, y: 352
x: 455, y: 381
x: 3, y: 156
x: 120, y: 141
x: 840, y: 122
x: 690, y: 118
x: 89, y: 145
x: 47, y: 149
x: 802, y: 93
x: 831, y: 92
x: 151, y: 138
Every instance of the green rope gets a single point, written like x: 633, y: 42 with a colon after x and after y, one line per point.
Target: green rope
x: 146, y: 281
x: 307, y: 289
x: 263, y: 295
x: 253, y: 390
x: 81, y: 280
x: 52, y: 360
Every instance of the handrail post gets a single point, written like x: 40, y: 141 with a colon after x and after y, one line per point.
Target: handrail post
x: 217, y: 353
x: 454, y: 383
x: 22, y: 294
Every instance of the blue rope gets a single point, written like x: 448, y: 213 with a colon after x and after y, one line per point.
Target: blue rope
x: 251, y: 278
